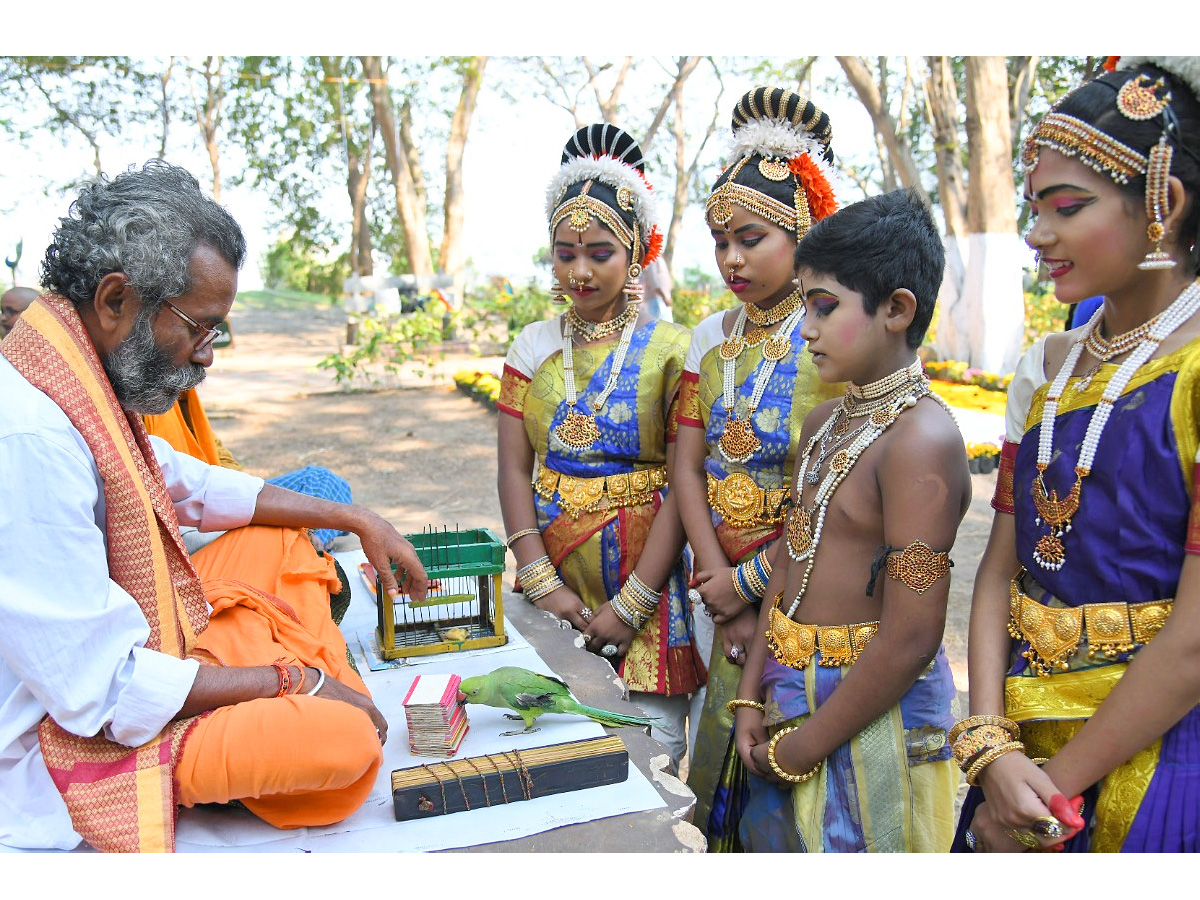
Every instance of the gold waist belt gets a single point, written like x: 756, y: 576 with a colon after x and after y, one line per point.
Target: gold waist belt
x: 794, y: 644
x: 603, y: 492
x: 743, y: 504
x: 1055, y: 633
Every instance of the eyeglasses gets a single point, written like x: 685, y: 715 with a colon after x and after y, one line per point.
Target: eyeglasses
x: 207, y: 335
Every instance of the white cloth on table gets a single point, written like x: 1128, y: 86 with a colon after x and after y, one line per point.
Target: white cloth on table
x: 72, y: 642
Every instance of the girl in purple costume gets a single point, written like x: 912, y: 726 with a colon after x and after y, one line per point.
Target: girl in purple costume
x: 1091, y: 652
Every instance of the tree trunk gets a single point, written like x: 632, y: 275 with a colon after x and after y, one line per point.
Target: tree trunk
x: 1026, y: 71
x: 942, y: 96
x: 451, y: 256
x: 412, y: 154
x: 208, y: 117
x: 409, y: 210
x: 163, y: 80
x: 898, y: 150
x: 986, y: 322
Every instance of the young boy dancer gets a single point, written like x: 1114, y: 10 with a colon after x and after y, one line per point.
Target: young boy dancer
x: 845, y: 700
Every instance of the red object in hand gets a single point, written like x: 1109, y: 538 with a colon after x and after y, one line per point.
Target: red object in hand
x: 1067, y: 811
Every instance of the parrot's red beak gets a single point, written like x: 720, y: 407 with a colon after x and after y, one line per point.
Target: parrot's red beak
x: 462, y: 699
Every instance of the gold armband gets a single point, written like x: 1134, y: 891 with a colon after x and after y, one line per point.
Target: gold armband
x: 918, y: 566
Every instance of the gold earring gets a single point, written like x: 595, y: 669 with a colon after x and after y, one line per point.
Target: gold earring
x: 1158, y: 200
x: 557, y: 294
x: 635, y: 292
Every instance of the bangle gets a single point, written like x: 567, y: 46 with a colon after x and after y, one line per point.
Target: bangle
x: 524, y: 532
x: 988, y: 757
x: 733, y: 704
x: 788, y: 776
x: 974, y: 740
x: 285, y: 677
x: 630, y: 617
x: 320, y: 682
x: 737, y: 586
x: 544, y: 587
x: 1013, y: 729
x: 537, y: 567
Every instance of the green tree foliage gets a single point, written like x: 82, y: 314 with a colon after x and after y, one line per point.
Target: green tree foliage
x: 293, y: 263
x: 90, y: 98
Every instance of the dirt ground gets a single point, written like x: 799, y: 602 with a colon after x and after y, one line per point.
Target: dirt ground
x: 416, y: 450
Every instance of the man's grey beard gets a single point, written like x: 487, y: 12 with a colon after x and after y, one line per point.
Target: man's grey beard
x: 141, y: 374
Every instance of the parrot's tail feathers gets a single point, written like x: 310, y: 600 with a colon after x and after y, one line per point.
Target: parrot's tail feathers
x: 614, y: 718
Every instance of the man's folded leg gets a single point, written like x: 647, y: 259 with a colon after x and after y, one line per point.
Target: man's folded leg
x: 293, y: 761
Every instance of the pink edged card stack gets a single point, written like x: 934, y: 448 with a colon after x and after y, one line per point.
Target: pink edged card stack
x: 436, y: 723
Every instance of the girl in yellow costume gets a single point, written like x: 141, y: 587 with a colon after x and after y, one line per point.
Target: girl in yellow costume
x: 589, y: 399
x: 747, y: 386
x: 1086, y: 610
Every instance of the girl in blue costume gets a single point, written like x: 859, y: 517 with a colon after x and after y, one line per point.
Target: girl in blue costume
x: 589, y: 399
x: 747, y: 386
x: 1083, y: 651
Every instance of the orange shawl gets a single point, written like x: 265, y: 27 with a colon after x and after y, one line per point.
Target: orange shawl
x: 120, y: 799
x: 191, y: 434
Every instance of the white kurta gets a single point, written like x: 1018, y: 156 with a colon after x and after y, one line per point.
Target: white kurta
x: 72, y: 642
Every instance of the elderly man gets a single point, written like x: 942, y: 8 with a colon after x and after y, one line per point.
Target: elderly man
x: 14, y: 302
x: 128, y: 687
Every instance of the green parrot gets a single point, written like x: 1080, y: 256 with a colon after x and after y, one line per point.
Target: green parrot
x: 531, y: 695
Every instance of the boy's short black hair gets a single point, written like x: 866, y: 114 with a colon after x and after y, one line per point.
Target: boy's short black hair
x: 877, y: 246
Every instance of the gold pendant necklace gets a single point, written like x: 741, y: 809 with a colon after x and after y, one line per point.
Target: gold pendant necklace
x: 578, y: 430
x: 738, y: 442
x: 1050, y: 551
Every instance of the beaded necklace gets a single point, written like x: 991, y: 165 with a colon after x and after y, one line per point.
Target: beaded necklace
x: 594, y: 331
x: 738, y: 441
x: 579, y: 430
x: 1049, y: 552
x: 805, y: 526
x: 1104, y: 350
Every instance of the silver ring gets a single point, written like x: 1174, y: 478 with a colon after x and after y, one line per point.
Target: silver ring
x: 608, y: 650
x: 587, y: 638
x: 585, y: 613
x: 695, y: 596
x: 734, y: 654
x: 969, y: 839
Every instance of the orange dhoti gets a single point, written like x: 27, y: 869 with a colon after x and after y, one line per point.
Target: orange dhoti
x: 296, y: 760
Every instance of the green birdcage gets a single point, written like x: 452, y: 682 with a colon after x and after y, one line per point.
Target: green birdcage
x: 463, y: 610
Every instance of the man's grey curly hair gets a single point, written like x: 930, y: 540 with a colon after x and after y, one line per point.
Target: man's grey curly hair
x: 146, y: 223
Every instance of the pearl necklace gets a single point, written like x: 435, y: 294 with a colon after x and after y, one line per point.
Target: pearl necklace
x: 805, y: 526
x: 594, y: 331
x: 738, y: 441
x: 886, y: 385
x: 579, y: 430
x: 1049, y: 552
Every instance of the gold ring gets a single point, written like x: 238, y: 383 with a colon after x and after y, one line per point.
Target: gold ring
x: 1047, y: 827
x: 1024, y: 838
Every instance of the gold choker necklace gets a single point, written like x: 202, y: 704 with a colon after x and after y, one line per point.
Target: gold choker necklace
x: 764, y: 318
x: 594, y: 331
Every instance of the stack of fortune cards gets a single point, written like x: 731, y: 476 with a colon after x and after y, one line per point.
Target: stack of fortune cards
x: 436, y: 723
